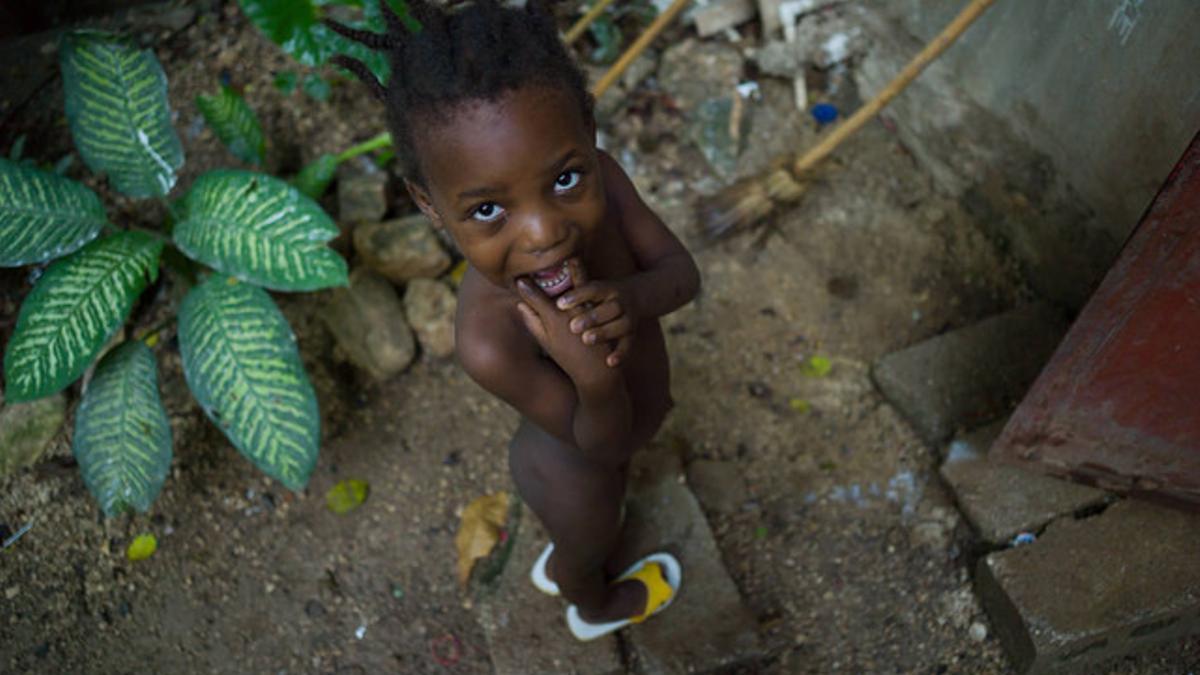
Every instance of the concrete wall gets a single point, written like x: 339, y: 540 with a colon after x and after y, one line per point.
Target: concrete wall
x: 1108, y: 91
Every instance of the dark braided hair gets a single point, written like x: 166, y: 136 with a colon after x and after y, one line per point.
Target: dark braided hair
x: 476, y: 50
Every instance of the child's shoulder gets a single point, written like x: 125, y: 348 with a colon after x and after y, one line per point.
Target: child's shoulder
x: 488, y: 335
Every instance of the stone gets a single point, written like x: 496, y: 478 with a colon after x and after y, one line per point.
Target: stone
x: 367, y: 320
x: 718, y: 485
x: 402, y: 249
x: 971, y: 375
x: 642, y: 67
x: 526, y: 630
x: 707, y: 628
x: 26, y: 429
x: 768, y: 16
x: 1001, y: 501
x: 717, y: 16
x: 361, y: 192
x: 693, y: 71
x: 782, y: 59
x: 1092, y: 589
x: 430, y: 306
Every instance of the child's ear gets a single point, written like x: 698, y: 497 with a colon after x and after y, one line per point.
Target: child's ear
x: 421, y: 197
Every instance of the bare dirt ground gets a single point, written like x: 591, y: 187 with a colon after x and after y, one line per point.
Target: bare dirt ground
x: 845, y: 546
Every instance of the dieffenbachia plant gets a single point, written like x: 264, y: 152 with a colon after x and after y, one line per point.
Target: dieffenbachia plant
x: 249, y: 231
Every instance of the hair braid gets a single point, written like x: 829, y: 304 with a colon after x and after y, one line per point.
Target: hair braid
x: 466, y: 50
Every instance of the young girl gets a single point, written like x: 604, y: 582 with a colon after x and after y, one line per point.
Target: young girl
x: 568, y: 274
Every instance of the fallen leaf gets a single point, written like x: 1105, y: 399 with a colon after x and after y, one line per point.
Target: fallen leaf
x: 480, y: 530
x: 799, y: 405
x: 141, y: 547
x: 816, y: 366
x: 346, y: 495
x: 456, y: 274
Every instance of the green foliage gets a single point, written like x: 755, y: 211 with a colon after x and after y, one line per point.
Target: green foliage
x: 316, y: 87
x: 608, y: 40
x: 241, y: 362
x: 43, y: 216
x: 296, y: 26
x: 74, y: 309
x: 259, y: 229
x: 116, y: 102
x: 122, y: 436
x: 285, y: 81
x: 239, y: 354
x: 314, y: 179
x: 234, y: 123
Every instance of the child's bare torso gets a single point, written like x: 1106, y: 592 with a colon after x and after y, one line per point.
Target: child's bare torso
x: 646, y: 369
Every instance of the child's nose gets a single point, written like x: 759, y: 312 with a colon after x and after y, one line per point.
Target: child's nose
x: 543, y: 230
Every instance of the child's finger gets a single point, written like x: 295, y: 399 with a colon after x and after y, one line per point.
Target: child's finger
x: 533, y: 323
x: 578, y: 274
x: 613, y: 330
x: 594, y: 293
x: 596, y: 316
x: 620, y: 352
x: 534, y: 297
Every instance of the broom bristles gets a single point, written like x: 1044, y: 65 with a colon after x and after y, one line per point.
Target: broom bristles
x: 748, y: 202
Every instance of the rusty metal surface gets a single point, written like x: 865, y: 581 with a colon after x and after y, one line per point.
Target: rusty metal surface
x: 1118, y: 406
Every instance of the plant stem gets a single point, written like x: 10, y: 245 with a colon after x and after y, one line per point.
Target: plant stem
x: 156, y: 328
x: 383, y: 140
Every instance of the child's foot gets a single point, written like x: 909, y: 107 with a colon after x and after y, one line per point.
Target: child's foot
x: 628, y: 598
x: 659, y: 577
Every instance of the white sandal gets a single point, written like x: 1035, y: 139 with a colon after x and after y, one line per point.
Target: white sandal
x: 657, y: 598
x: 538, y: 574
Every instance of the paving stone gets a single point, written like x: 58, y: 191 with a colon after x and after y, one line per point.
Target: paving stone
x: 707, y: 629
x: 718, y: 485
x: 971, y: 375
x: 402, y: 249
x: 361, y: 192
x: 526, y: 629
x: 1092, y: 589
x: 367, y: 320
x: 1001, y: 501
x: 430, y: 306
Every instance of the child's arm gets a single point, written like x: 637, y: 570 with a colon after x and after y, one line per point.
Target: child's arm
x: 581, y: 402
x: 667, y: 279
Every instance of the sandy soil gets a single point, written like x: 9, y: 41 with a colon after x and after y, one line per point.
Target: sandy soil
x: 847, y: 548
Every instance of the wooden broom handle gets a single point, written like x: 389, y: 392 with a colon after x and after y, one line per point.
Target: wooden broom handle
x: 931, y: 51
x: 639, y: 46
x: 587, y: 19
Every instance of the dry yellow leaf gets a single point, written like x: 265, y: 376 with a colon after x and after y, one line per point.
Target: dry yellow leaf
x: 482, y: 522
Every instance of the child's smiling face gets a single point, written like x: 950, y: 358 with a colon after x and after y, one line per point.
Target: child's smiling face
x: 517, y: 183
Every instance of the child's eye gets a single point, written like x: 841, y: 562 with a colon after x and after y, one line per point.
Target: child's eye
x: 487, y: 212
x: 567, y: 180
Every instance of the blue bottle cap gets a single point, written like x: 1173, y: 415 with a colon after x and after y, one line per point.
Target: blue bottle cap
x: 824, y: 113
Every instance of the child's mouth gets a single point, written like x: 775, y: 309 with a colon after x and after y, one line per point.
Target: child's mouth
x: 554, y: 281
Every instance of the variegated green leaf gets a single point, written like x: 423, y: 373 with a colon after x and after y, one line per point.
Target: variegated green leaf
x: 259, y: 229
x: 74, y: 309
x: 296, y: 26
x: 313, y: 180
x: 241, y: 362
x: 234, y: 123
x: 122, y: 436
x: 44, y: 216
x: 116, y: 101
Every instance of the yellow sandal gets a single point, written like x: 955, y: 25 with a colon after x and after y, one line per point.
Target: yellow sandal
x: 660, y: 573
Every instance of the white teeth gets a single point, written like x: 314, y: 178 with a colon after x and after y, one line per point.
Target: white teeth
x: 562, y: 276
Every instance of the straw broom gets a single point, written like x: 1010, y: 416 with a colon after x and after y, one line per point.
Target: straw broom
x: 750, y: 200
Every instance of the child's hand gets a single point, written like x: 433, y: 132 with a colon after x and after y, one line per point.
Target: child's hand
x: 604, y: 313
x: 550, y: 327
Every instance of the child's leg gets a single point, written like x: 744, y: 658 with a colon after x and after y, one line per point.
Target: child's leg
x: 579, y: 503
